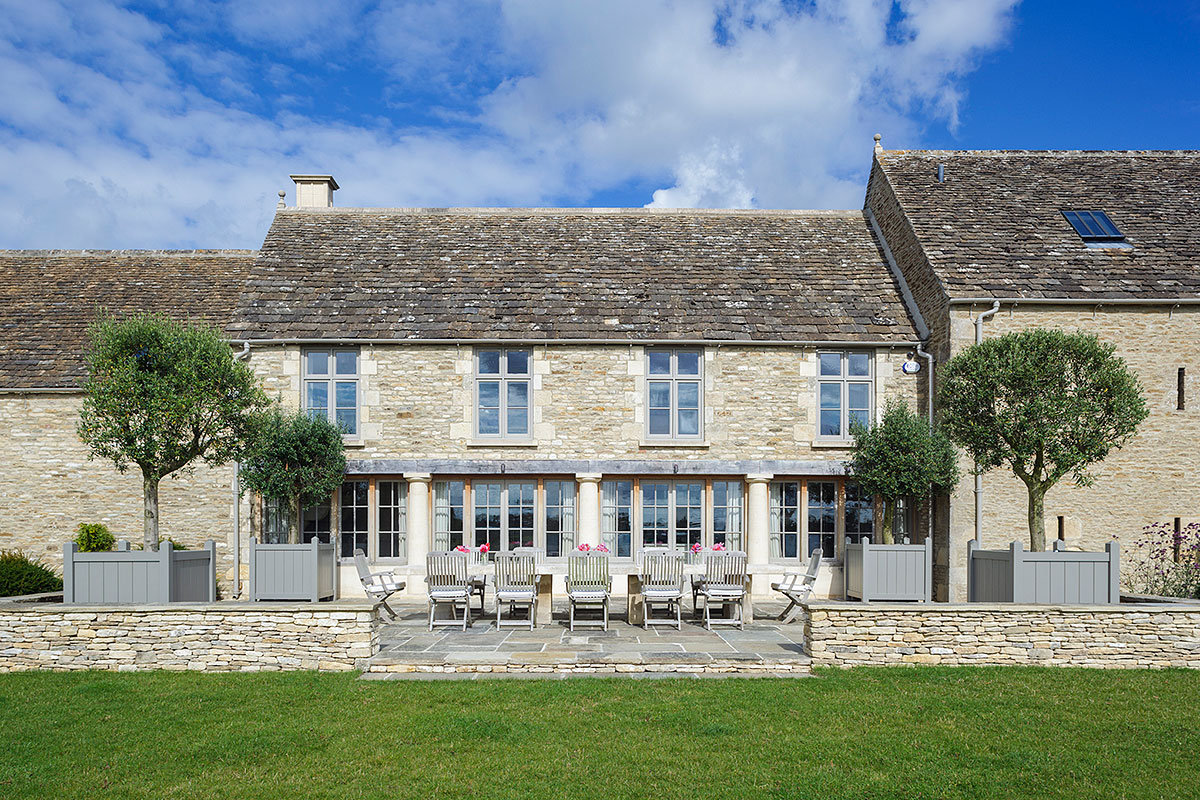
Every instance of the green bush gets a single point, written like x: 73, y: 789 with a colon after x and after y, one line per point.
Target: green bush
x: 20, y: 574
x: 93, y: 537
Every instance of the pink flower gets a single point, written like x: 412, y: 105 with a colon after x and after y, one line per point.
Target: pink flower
x: 483, y: 548
x: 584, y: 547
x: 718, y: 546
x: 601, y: 548
x: 462, y: 549
x: 697, y: 547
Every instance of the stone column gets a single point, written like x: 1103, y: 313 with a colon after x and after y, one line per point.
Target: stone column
x: 418, y: 516
x: 588, y: 512
x: 758, y: 518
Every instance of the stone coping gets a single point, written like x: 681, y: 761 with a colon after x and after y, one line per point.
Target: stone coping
x: 224, y: 606
x: 991, y: 608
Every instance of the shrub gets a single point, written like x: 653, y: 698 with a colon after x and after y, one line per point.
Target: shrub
x: 20, y: 574
x: 1169, y: 565
x: 93, y: 537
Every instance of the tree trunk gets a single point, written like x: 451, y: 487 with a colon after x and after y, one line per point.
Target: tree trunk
x: 150, y: 521
x: 889, y: 511
x: 1037, y: 518
x: 294, y: 520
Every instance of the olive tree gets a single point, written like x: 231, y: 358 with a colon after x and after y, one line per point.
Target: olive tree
x: 901, y: 457
x: 298, y: 458
x: 161, y: 394
x: 1046, y: 403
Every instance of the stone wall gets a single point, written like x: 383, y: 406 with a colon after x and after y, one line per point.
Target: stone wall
x: 48, y: 486
x: 1125, y: 635
x: 213, y: 638
x: 1151, y: 479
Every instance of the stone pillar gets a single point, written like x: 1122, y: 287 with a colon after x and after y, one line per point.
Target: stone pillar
x: 589, y: 508
x: 758, y: 518
x: 418, y: 516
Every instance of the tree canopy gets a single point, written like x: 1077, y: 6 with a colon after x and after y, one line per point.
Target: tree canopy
x: 1046, y: 403
x: 901, y: 457
x: 161, y: 394
x: 296, y: 457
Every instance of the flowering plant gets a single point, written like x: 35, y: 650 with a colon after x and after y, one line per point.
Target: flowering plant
x: 483, y: 548
x: 697, y: 547
x: 462, y: 548
x: 583, y: 548
x: 718, y: 547
x: 1170, y: 561
x: 600, y: 548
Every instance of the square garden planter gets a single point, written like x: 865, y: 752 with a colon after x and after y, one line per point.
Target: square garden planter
x: 130, y: 576
x: 1055, y: 577
x: 889, y: 571
x: 293, y: 571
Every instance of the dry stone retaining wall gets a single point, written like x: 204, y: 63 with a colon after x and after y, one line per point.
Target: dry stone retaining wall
x: 213, y: 638
x: 1126, y: 635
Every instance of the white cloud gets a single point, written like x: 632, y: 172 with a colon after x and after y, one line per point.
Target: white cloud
x: 128, y: 128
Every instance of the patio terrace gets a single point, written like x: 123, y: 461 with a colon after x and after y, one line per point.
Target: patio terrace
x: 409, y: 649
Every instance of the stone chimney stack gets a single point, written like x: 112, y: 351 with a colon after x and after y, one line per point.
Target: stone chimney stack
x: 314, y: 191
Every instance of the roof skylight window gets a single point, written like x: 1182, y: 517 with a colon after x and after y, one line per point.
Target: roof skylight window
x: 1094, y: 226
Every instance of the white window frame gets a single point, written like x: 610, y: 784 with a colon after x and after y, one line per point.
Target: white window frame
x: 568, y: 516
x: 777, y: 536
x: 610, y: 512
x: 672, y: 513
x: 397, y: 516
x: 504, y: 378
x: 331, y: 379
x: 674, y: 379
x: 365, y: 532
x: 504, y: 534
x: 444, y: 535
x: 843, y: 380
x: 734, y: 532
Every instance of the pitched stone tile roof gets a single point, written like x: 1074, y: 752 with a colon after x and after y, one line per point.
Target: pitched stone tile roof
x: 994, y: 228
x: 49, y: 297
x: 537, y: 274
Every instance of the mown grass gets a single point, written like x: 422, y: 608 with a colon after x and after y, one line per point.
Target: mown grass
x: 929, y: 732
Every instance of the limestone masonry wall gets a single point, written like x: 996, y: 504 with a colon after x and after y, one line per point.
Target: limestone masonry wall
x: 1151, y: 479
x: 213, y: 638
x: 48, y: 486
x: 588, y: 401
x: 1127, y: 635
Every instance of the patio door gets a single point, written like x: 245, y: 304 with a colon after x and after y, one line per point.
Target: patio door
x: 672, y: 514
x: 504, y: 513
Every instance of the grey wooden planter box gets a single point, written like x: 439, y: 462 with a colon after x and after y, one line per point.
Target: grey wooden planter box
x: 165, y: 575
x: 889, y: 571
x: 1057, y: 577
x: 293, y: 571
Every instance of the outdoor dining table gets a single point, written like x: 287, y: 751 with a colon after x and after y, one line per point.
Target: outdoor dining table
x: 546, y: 570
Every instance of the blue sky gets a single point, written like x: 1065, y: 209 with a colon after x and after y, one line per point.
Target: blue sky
x: 173, y: 124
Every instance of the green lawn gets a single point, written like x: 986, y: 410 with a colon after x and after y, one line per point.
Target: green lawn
x: 931, y: 732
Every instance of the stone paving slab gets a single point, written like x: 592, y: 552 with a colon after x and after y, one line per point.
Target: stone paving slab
x: 410, y: 651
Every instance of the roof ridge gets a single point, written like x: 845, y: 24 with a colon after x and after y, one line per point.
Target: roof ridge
x: 124, y: 252
x: 1017, y: 152
x: 539, y: 211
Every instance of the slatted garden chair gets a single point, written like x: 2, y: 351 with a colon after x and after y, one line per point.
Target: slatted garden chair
x: 449, y: 585
x: 725, y: 585
x: 589, y: 582
x: 798, y: 587
x: 379, y: 586
x: 516, y: 585
x: 476, y: 559
x: 662, y: 584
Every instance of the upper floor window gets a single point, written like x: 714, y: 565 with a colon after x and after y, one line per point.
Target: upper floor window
x: 845, y: 380
x: 502, y: 393
x: 331, y: 386
x: 673, y: 406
